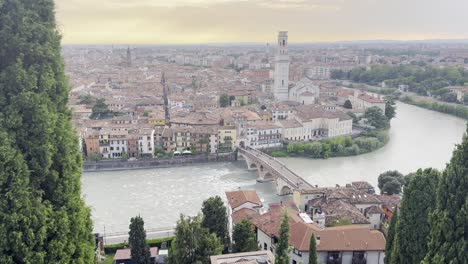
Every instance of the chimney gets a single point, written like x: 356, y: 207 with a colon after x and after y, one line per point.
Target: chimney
x: 337, y: 185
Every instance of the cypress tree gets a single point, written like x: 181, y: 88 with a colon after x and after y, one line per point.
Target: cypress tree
x: 391, y: 237
x: 449, y: 222
x: 282, y: 248
x: 33, y: 100
x: 215, y: 219
x: 413, y: 228
x: 313, y: 250
x: 137, y: 241
x: 22, y: 227
x: 244, y: 237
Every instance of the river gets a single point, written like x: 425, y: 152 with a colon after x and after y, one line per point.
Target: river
x: 419, y: 138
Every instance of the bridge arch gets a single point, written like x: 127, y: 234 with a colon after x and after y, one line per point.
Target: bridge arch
x: 268, y: 176
x: 285, y: 190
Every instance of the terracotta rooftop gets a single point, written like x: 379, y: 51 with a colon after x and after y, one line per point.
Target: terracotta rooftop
x: 238, y: 198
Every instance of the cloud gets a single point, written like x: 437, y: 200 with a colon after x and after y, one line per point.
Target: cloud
x: 201, y: 21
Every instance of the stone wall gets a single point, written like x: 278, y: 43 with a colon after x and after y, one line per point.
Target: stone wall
x: 104, y: 165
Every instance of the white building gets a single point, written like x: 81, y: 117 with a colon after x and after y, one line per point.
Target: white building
x: 281, y: 80
x: 263, y: 135
x: 341, y: 244
x: 241, y: 205
x: 146, y: 142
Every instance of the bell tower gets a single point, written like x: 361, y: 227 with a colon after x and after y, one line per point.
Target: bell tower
x: 281, y: 81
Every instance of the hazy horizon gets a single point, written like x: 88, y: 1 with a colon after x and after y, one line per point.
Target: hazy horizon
x: 176, y: 22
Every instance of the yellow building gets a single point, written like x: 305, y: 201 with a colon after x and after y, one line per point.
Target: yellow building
x: 227, y: 137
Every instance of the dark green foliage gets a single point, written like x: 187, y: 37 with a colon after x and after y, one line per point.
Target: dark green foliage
x: 451, y: 109
x: 390, y: 182
x: 193, y: 243
x: 215, y: 218
x: 337, y: 146
x: 391, y: 237
x: 413, y: 228
x: 157, y: 242
x: 137, y: 241
x: 101, y: 110
x: 375, y: 117
x: 224, y: 100
x: 421, y: 79
x: 449, y: 97
x: 243, y: 237
x: 347, y: 104
x: 282, y: 248
x: 86, y: 99
x: 33, y: 105
x: 449, y: 222
x: 21, y: 214
x: 313, y: 250
x: 390, y: 108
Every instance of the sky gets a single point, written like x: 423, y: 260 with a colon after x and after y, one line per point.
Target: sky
x: 257, y: 21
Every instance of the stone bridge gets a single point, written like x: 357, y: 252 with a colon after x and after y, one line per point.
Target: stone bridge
x: 271, y: 169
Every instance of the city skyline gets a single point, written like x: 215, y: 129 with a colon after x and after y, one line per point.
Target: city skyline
x: 257, y: 21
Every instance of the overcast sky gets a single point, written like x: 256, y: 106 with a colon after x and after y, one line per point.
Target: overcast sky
x: 220, y: 21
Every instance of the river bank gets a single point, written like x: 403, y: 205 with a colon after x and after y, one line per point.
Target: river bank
x: 457, y: 110
x: 114, y: 165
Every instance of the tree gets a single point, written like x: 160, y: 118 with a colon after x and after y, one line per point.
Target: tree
x: 313, y: 250
x: 21, y: 214
x: 243, y: 237
x: 390, y: 108
x: 224, y: 100
x: 215, y: 219
x: 101, y: 110
x: 390, y: 182
x: 282, y: 248
x: 139, y: 249
x: 448, y: 222
x: 348, y: 105
x: 413, y: 228
x: 193, y: 243
x: 375, y: 117
x: 391, y: 237
x: 35, y: 116
x: 449, y: 97
x: 86, y: 99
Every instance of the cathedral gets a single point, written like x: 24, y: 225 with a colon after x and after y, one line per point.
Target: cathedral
x: 304, y: 91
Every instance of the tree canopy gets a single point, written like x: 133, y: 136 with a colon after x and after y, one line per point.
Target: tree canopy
x: 35, y: 120
x: 347, y: 104
x: 413, y: 228
x: 282, y: 248
x: 313, y: 250
x: 449, y: 221
x: 139, y: 249
x: 215, y: 218
x: 391, y: 237
x: 375, y: 117
x: 390, y: 182
x: 243, y: 237
x: 224, y: 100
x: 193, y: 242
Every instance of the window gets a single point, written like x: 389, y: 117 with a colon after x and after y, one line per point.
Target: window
x: 265, y: 246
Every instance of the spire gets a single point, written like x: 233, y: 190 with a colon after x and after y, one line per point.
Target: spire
x: 129, y: 57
